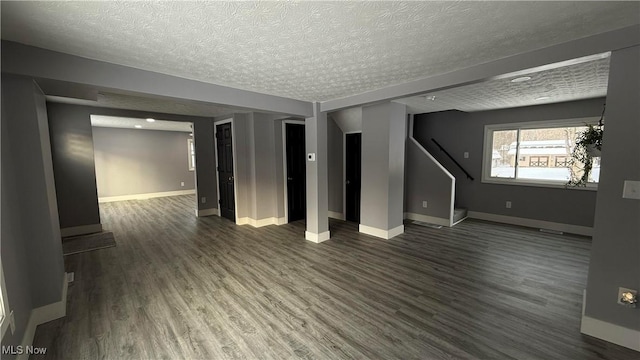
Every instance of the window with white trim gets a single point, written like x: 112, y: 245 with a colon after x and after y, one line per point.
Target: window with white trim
x: 4, y: 305
x: 192, y: 154
x: 535, y: 153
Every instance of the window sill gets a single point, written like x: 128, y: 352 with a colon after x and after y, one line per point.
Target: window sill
x: 545, y: 184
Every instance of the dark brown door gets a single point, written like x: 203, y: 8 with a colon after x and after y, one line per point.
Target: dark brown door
x: 225, y: 171
x: 353, y: 152
x: 296, y: 172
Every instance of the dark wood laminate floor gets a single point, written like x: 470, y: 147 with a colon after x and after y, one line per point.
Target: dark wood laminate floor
x: 179, y: 287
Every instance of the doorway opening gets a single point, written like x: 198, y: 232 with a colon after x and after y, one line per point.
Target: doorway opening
x: 352, y: 174
x: 295, y: 170
x: 140, y: 159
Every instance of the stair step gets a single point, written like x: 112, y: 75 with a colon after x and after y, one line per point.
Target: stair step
x: 459, y: 214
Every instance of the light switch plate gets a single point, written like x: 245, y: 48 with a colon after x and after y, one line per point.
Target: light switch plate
x: 631, y: 190
x: 466, y: 154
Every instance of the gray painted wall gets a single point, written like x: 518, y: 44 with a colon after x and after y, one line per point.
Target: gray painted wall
x: 31, y: 244
x: 383, y: 146
x: 265, y: 166
x: 425, y: 181
x: 72, y: 150
x: 336, y: 165
x: 79, y: 165
x: 279, y: 169
x: 615, y: 253
x: 459, y: 132
x: 132, y: 161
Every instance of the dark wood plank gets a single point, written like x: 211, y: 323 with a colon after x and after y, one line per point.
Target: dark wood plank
x: 176, y: 286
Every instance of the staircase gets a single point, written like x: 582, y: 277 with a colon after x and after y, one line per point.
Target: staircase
x: 430, y: 183
x: 459, y: 214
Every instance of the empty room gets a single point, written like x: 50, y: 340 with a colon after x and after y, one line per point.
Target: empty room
x: 320, y: 180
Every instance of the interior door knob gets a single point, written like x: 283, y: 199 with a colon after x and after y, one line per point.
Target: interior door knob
x: 348, y: 182
x: 290, y: 178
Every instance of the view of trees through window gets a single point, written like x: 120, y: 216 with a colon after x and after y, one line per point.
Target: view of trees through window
x: 541, y: 154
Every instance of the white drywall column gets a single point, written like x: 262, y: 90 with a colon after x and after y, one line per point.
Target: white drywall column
x: 383, y: 146
x: 615, y: 251
x: 317, y: 186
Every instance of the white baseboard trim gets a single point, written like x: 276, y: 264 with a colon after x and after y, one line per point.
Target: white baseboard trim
x: 207, y: 212
x: 42, y: 315
x: 336, y: 215
x: 539, y: 224
x: 145, y: 196
x: 260, y: 222
x: 385, y: 234
x: 612, y: 333
x: 81, y: 230
x: 427, y: 219
x: 317, y: 238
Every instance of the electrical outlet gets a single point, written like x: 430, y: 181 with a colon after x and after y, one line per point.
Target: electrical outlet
x: 12, y: 322
x: 203, y: 200
x: 181, y: 183
x: 508, y: 204
x: 424, y: 204
x: 466, y: 154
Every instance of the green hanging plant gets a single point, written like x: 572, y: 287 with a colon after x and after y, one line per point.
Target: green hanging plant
x: 588, y: 145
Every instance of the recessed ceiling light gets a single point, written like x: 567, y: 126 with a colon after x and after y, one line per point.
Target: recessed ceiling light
x: 521, y: 79
x: 138, y: 126
x: 542, y: 98
x: 151, y: 120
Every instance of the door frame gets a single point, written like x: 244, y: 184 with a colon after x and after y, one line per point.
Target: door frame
x: 344, y: 172
x: 284, y: 164
x: 235, y: 177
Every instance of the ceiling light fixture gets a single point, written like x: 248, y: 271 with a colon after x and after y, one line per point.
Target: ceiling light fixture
x: 151, y: 120
x: 138, y: 126
x: 521, y: 79
x: 542, y: 98
x: 430, y: 97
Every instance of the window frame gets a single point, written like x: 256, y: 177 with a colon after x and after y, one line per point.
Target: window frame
x: 528, y: 125
x: 4, y: 305
x: 191, y: 160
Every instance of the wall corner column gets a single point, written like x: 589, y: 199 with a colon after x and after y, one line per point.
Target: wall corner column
x: 317, y: 176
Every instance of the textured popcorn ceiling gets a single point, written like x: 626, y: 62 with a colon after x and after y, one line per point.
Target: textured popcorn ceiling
x: 573, y: 82
x: 130, y: 123
x: 306, y: 50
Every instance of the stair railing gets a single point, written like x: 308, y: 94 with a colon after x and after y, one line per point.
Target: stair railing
x: 452, y: 159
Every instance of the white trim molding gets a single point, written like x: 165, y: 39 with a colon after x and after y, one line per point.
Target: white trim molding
x: 428, y: 219
x: 533, y: 223
x: 317, y: 238
x: 145, y: 196
x: 261, y: 222
x: 612, y: 333
x: 207, y: 212
x: 42, y: 315
x: 336, y: 215
x: 385, y: 234
x: 81, y: 230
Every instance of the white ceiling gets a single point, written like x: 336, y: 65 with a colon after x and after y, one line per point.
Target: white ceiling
x: 130, y: 123
x: 307, y: 50
x: 573, y: 82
